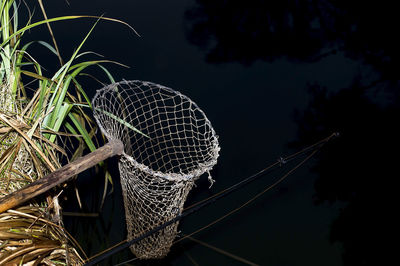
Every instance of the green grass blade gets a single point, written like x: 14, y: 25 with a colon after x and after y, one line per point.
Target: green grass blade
x: 71, y: 129
x: 82, y: 105
x: 128, y: 125
x: 30, y: 26
x: 62, y: 114
x: 110, y: 77
x: 96, y: 62
x: 83, y: 132
x: 48, y: 46
x: 59, y: 72
x: 60, y: 96
x: 81, y: 91
x: 89, y: 52
x: 43, y: 93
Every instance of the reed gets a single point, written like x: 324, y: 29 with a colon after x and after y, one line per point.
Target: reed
x: 34, y: 130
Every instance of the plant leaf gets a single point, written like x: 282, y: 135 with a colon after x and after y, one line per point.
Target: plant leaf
x: 128, y: 125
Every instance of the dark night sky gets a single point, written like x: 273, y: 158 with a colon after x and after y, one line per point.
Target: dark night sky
x: 249, y: 80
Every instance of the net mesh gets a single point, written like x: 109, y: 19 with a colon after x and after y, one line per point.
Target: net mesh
x: 169, y: 143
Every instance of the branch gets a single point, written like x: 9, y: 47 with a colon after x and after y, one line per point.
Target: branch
x: 61, y: 175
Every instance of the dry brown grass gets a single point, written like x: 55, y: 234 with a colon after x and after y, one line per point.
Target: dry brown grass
x: 29, y: 237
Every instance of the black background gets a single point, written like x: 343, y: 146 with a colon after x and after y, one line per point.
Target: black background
x: 272, y: 77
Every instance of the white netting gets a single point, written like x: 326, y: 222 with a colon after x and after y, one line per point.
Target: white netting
x: 176, y: 144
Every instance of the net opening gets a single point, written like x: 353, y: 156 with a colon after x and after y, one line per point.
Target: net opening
x: 169, y: 143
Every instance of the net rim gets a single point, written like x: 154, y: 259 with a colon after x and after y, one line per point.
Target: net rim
x: 170, y: 176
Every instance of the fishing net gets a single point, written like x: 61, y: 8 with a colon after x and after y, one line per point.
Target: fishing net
x: 169, y: 143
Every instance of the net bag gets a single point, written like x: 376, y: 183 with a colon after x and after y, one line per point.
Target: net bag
x: 169, y: 143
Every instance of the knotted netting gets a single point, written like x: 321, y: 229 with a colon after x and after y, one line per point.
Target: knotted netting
x: 169, y: 143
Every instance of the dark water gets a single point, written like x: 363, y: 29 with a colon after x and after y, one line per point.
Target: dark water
x: 272, y: 78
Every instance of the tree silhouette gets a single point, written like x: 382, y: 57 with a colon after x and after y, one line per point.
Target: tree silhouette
x: 358, y: 169
x: 234, y: 31
x: 299, y: 30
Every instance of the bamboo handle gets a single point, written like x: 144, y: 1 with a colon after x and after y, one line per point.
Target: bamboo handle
x: 61, y: 175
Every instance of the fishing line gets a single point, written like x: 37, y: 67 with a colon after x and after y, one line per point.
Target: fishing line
x: 197, y: 206
x: 250, y: 200
x: 281, y: 161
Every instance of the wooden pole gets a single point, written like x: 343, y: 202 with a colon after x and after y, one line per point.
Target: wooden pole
x: 61, y: 175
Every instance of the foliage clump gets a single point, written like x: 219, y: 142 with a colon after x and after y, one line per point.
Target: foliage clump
x: 34, y: 129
